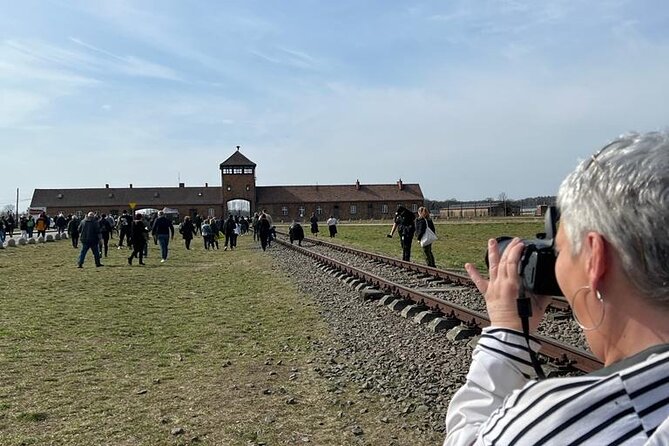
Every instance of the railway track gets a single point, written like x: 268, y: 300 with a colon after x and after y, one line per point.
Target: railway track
x: 431, y: 289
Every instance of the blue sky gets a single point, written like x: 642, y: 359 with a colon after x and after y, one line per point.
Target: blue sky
x: 471, y: 99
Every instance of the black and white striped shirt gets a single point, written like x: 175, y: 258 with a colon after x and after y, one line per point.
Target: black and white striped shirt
x: 624, y: 404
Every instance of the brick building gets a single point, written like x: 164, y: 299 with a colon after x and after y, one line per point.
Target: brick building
x: 238, y: 194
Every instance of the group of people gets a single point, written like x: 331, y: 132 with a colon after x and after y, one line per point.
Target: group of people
x: 409, y: 227
x: 30, y: 226
x: 94, y: 232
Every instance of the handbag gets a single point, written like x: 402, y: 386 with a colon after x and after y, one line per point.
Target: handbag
x: 428, y: 238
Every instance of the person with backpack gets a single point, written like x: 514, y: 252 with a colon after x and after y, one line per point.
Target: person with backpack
x: 405, y: 226
x: 105, y: 231
x: 73, y: 231
x: 124, y: 226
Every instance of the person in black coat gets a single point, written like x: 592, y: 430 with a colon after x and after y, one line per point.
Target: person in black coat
x: 73, y: 231
x: 314, y: 224
x: 139, y: 234
x: 187, y: 231
x: 105, y: 231
x: 296, y: 232
x: 90, y: 239
x: 229, y: 231
x: 264, y: 229
x: 405, y: 226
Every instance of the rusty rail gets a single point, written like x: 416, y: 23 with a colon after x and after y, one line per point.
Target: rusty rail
x: 563, y: 354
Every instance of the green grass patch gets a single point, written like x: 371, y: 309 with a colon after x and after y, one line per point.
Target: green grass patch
x: 459, y: 242
x: 218, y: 344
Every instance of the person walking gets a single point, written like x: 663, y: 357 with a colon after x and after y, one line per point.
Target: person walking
x: 30, y: 226
x: 207, y: 235
x: 264, y: 231
x: 11, y: 225
x: 423, y: 222
x: 124, y: 228
x: 332, y: 226
x: 61, y: 223
x: 23, y: 226
x: 187, y: 231
x: 404, y: 225
x: 89, y: 229
x: 41, y: 225
x: 163, y: 230
x: 105, y: 232
x: 314, y: 224
x: 73, y: 231
x: 3, y: 228
x: 140, y: 238
x: 229, y: 231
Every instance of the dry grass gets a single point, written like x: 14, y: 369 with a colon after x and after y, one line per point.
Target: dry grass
x: 216, y: 344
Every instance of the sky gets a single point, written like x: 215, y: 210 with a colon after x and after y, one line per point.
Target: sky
x: 470, y: 99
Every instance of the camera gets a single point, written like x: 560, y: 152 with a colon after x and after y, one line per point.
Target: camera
x: 537, y: 263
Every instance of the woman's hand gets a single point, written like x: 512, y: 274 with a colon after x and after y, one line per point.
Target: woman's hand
x: 502, y: 289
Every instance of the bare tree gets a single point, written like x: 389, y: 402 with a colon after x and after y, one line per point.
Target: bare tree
x: 8, y: 209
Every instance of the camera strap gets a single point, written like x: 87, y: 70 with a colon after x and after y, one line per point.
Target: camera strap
x: 524, y: 306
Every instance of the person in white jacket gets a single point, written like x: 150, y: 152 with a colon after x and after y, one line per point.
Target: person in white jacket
x: 613, y: 267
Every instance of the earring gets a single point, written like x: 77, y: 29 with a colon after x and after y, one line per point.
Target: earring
x: 600, y: 299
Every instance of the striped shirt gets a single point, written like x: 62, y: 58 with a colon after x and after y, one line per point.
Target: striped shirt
x: 624, y: 404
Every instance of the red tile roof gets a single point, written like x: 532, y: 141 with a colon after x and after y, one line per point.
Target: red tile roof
x: 338, y: 193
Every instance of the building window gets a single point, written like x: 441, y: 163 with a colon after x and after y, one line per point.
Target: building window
x: 237, y: 170
x: 354, y: 209
x: 384, y: 208
x: 248, y: 187
x: 211, y: 212
x: 248, y: 170
x: 301, y: 211
x: 284, y: 211
x: 414, y: 208
x: 227, y: 170
x: 319, y: 210
x: 229, y: 188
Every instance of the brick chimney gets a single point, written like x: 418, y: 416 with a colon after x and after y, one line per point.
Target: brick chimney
x: 206, y: 184
x: 182, y: 184
x: 357, y: 184
x: 400, y: 186
x: 106, y: 186
x: 130, y: 185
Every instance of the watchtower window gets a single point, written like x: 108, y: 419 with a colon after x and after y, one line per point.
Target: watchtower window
x: 227, y: 170
x: 237, y: 170
x: 248, y: 170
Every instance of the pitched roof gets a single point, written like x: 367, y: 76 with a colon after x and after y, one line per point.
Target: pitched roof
x: 121, y: 197
x: 237, y: 159
x: 338, y: 193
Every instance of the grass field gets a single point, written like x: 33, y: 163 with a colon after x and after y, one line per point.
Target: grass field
x: 208, y: 348
x: 459, y: 241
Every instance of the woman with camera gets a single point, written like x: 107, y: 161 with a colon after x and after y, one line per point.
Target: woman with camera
x: 612, y: 266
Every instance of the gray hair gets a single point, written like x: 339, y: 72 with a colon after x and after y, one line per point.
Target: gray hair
x: 622, y: 192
